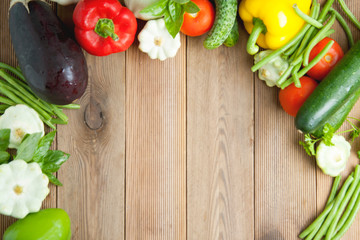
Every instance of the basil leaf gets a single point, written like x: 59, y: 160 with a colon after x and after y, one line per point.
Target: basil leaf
x: 53, y: 179
x: 191, y: 7
x: 182, y: 1
x: 4, y: 139
x: 55, y: 157
x: 4, y: 157
x: 157, y: 9
x: 28, y: 146
x: 172, y: 10
x: 44, y: 146
x: 173, y: 27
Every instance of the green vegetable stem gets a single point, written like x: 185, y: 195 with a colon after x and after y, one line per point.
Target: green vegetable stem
x: 15, y: 91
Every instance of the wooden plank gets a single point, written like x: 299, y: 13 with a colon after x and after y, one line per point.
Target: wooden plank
x: 324, y: 182
x: 285, y: 181
x: 7, y: 55
x: 94, y: 177
x: 220, y: 146
x: 155, y: 146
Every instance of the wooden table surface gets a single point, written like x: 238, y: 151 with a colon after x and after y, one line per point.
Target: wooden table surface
x: 195, y: 147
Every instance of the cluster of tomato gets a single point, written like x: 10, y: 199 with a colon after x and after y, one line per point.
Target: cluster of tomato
x: 292, y: 98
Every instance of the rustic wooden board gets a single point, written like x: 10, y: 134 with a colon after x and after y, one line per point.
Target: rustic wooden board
x: 195, y: 147
x: 220, y: 135
x: 94, y: 177
x: 7, y: 55
x: 155, y: 146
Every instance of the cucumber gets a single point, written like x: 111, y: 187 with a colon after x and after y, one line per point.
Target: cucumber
x: 226, y: 11
x: 233, y: 37
x: 335, y: 90
x: 340, y: 116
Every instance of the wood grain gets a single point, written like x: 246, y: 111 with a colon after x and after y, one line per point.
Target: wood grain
x: 155, y: 146
x: 7, y: 55
x: 94, y: 177
x: 220, y: 133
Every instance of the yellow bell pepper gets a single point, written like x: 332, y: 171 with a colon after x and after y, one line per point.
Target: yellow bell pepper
x: 271, y: 23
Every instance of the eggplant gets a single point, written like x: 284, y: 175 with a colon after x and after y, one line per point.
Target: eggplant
x: 52, y: 62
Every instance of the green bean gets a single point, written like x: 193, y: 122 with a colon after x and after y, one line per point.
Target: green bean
x: 58, y: 121
x: 295, y: 47
x: 306, y: 18
x: 70, y: 106
x: 349, y: 220
x: 281, y: 50
x: 333, y: 211
x: 309, y: 33
x: 343, y: 204
x: 13, y: 70
x: 285, y: 75
x: 318, y: 221
x: 25, y: 100
x: 24, y: 92
x: 47, y: 122
x: 318, y: 37
x: 334, y: 189
x: 344, y: 25
x: 7, y: 101
x: 295, y: 75
x: 3, y: 107
x: 349, y: 13
x: 322, y: 17
x: 349, y: 208
x: 316, y: 59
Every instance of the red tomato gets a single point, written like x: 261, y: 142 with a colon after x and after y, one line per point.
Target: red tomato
x: 199, y: 23
x: 292, y: 98
x: 322, y: 68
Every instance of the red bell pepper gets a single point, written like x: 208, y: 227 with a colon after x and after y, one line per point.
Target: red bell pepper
x: 103, y: 27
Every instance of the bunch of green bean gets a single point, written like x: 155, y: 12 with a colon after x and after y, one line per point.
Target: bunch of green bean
x: 297, y: 51
x: 14, y: 90
x: 340, y: 210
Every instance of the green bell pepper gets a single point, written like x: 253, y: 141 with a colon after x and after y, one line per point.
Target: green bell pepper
x: 47, y: 224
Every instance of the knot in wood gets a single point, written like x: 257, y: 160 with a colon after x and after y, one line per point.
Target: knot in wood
x: 94, y: 117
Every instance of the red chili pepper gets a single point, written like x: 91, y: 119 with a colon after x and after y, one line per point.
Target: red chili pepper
x: 103, y: 27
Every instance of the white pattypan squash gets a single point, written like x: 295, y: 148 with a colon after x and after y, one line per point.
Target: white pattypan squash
x: 23, y: 188
x: 332, y: 159
x: 21, y: 120
x: 156, y: 41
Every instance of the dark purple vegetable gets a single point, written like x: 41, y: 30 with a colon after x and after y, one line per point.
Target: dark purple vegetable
x: 53, y: 64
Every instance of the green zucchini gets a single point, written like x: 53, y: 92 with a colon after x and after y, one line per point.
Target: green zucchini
x: 226, y: 11
x: 233, y: 37
x: 333, y: 92
x: 340, y: 116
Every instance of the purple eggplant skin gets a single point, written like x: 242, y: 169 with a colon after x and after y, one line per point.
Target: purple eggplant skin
x: 52, y: 62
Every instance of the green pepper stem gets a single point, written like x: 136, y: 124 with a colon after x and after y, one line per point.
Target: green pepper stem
x: 307, y: 18
x: 105, y: 28
x: 259, y: 27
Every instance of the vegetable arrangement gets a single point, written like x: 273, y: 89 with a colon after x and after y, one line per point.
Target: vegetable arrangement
x: 295, y: 35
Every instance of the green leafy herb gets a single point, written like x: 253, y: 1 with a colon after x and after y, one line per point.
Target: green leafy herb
x: 172, y: 11
x: 43, y: 146
x: 358, y: 153
x: 53, y: 179
x: 28, y: 146
x: 328, y: 133
x: 354, y: 134
x: 4, y: 139
x: 310, y: 142
x: 191, y: 7
x: 4, y: 157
